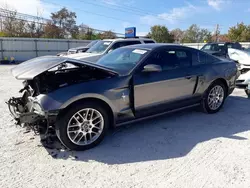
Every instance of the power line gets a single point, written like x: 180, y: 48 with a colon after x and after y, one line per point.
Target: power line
x: 102, y: 15
x: 4, y: 13
x: 23, y: 20
x: 115, y: 18
x: 21, y: 15
x: 110, y: 7
x: 123, y: 6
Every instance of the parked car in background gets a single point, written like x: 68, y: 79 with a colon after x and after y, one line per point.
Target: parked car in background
x: 105, y: 46
x: 242, y: 59
x: 79, y: 49
x: 128, y: 84
x: 220, y: 49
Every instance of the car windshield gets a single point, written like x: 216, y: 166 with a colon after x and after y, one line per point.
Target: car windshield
x: 214, y: 47
x: 123, y: 59
x: 92, y: 43
x: 99, y: 47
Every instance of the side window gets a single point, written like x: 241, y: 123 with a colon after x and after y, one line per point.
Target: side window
x: 148, y: 41
x: 201, y: 58
x: 171, y: 59
x: 132, y: 42
x: 184, y: 58
x: 117, y: 45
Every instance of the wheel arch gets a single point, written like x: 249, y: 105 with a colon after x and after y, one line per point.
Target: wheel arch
x: 224, y: 82
x: 91, y: 98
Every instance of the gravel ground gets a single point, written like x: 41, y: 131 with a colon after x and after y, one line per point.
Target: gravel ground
x: 188, y: 149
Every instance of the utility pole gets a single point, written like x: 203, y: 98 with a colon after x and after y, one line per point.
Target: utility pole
x: 217, y: 32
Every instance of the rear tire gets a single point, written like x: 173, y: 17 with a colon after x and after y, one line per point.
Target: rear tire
x: 214, y: 98
x: 77, y: 131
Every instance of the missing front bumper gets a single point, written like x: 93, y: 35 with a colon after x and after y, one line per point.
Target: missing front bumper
x: 28, y: 114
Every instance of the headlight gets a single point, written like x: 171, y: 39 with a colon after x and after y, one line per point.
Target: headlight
x: 38, y: 108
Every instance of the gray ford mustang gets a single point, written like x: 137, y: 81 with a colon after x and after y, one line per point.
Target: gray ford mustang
x: 81, y: 100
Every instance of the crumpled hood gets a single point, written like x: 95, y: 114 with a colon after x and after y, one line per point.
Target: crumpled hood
x: 33, y: 67
x: 243, y: 57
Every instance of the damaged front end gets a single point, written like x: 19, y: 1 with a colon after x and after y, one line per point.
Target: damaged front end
x: 27, y: 112
x: 48, y: 84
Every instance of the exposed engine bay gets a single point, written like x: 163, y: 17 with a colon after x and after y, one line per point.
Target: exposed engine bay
x: 64, y: 75
x: 27, y: 111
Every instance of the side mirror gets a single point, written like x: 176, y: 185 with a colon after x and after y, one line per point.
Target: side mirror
x: 152, y: 68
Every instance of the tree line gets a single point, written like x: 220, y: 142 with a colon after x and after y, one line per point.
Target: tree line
x: 195, y: 34
x: 62, y: 24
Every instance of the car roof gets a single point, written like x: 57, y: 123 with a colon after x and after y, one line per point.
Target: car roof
x: 220, y: 42
x: 130, y: 39
x: 152, y: 46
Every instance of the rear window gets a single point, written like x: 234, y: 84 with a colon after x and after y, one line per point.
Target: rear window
x: 148, y: 41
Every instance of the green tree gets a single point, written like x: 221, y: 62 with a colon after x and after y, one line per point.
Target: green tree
x: 107, y: 35
x: 66, y: 20
x: 14, y: 27
x: 35, y: 29
x: 52, y: 31
x: 20, y: 28
x: 239, y: 33
x: 195, y: 34
x: 160, y: 34
x: 178, y: 35
x: 205, y: 35
x: 9, y: 23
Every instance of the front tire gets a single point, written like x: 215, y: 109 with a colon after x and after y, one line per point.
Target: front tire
x: 83, y: 126
x: 214, y: 98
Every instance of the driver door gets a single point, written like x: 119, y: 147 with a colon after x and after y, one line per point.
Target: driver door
x: 153, y: 90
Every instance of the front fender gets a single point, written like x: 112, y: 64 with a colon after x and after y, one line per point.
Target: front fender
x: 108, y: 91
x: 87, y: 96
x: 50, y: 104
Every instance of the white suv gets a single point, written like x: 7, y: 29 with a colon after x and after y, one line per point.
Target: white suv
x: 105, y: 46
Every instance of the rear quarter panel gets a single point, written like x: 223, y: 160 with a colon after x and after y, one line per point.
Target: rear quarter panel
x: 226, y: 70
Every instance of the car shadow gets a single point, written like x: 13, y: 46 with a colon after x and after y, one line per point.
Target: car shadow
x: 167, y: 137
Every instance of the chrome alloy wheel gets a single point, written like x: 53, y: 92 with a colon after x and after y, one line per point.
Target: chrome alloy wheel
x: 85, y: 126
x: 215, y: 97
